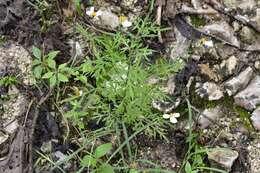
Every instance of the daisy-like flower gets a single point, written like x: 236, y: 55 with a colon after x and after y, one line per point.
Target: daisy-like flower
x: 124, y: 21
x: 206, y: 42
x: 92, y: 13
x: 172, y: 116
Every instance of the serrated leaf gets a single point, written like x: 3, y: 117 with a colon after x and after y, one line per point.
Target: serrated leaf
x: 62, y: 78
x: 53, y: 54
x: 36, y: 52
x: 188, y: 168
x: 53, y: 81
x: 37, y: 71
x: 47, y: 75
x: 88, y: 161
x: 62, y: 66
x: 36, y: 62
x: 103, y: 150
x: 51, y: 63
x: 106, y: 168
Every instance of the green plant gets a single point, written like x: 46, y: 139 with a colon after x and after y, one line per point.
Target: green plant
x: 44, y: 67
x: 94, y: 162
x: 196, y: 154
x: 8, y: 80
x: 120, y: 68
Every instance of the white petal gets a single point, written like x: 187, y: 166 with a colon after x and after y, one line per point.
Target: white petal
x: 166, y: 116
x: 209, y: 43
x: 126, y: 24
x: 99, y: 13
x: 176, y: 115
x: 90, y: 11
x: 173, y: 120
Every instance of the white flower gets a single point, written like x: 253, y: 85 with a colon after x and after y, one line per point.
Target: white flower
x: 172, y: 116
x: 125, y: 22
x: 92, y: 13
x: 206, y: 42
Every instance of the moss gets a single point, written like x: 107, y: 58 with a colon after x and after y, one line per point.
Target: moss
x: 197, y: 21
x: 244, y: 117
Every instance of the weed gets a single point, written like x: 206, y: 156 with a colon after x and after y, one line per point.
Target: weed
x: 196, y: 155
x: 8, y: 81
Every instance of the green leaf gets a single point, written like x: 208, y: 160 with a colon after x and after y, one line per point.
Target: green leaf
x: 47, y: 75
x: 103, y: 150
x: 52, y: 54
x: 106, y: 168
x: 36, y: 52
x: 51, y: 63
x: 88, y: 161
x: 188, y: 168
x: 133, y: 171
x: 62, y: 78
x: 36, y: 62
x: 78, y: 8
x: 62, y: 66
x: 53, y: 81
x: 37, y: 71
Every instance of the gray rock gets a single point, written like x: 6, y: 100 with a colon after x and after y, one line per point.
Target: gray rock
x: 209, y: 116
x: 247, y: 35
x: 227, y: 67
x: 222, y: 158
x: 249, y: 98
x: 180, y: 47
x: 239, y: 82
x: 109, y: 19
x: 166, y: 107
x: 256, y: 118
x: 223, y: 31
x: 3, y: 138
x: 209, y: 90
x: 16, y: 57
x: 254, y: 156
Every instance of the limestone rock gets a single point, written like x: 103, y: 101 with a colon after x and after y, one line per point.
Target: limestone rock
x: 209, y: 90
x: 256, y: 118
x: 109, y: 19
x: 222, y: 158
x: 223, y: 31
x: 249, y: 98
x: 239, y: 82
x: 209, y: 116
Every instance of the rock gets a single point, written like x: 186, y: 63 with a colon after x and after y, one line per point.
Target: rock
x: 247, y: 35
x: 222, y: 158
x: 209, y: 116
x: 16, y: 58
x: 166, y: 107
x: 249, y: 98
x: 208, y: 72
x: 239, y: 82
x: 254, y: 156
x: 227, y: 67
x: 256, y: 119
x: 180, y: 47
x: 109, y: 19
x: 209, y: 91
x: 3, y: 138
x: 223, y: 31
x: 257, y: 65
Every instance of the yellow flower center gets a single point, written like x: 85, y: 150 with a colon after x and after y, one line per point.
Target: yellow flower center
x: 93, y: 14
x: 122, y: 19
x: 203, y: 40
